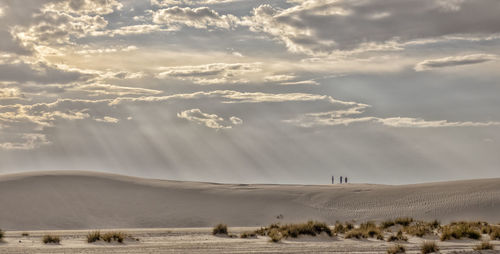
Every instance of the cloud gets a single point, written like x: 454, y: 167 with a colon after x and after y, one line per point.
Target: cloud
x: 166, y: 3
x: 201, y: 18
x: 107, y: 119
x: 321, y: 27
x: 40, y: 72
x: 107, y: 89
x: 230, y: 96
x: 26, y: 141
x: 100, y: 7
x: 345, y: 118
x: 454, y: 61
x: 212, y: 121
x: 216, y: 73
x: 301, y: 82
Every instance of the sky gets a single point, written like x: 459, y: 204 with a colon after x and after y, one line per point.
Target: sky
x: 252, y: 91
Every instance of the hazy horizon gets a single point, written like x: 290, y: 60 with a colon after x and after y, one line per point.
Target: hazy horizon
x: 235, y: 91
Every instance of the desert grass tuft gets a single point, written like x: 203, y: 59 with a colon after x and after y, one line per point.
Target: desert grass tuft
x: 25, y: 234
x: 458, y: 230
x: 275, y: 235
x: 403, y: 221
x: 113, y: 236
x: 312, y: 228
x: 387, y: 224
x: 220, y: 229
x: 93, y: 236
x: 248, y: 234
x: 51, y: 239
x: 2, y: 234
x: 398, y: 248
x: 495, y: 233
x: 429, y: 247
x: 365, y: 230
x: 484, y: 246
x: 342, y: 228
x: 398, y: 237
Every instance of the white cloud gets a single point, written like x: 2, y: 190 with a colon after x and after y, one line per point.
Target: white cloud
x: 107, y: 89
x: 454, y: 61
x: 26, y: 141
x: 107, y: 119
x: 216, y: 73
x: 100, y: 7
x: 212, y: 121
x: 201, y: 17
x: 321, y: 27
x: 166, y: 3
x: 230, y: 96
x: 346, y: 117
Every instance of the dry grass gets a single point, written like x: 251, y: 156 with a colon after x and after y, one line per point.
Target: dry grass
x: 398, y: 248
x: 421, y: 228
x: 51, y: 239
x: 248, y: 234
x: 93, y: 236
x: 2, y: 234
x: 341, y: 228
x: 220, y: 229
x: 403, y: 221
x: 429, y: 247
x: 275, y: 235
x: 387, y: 224
x: 365, y: 230
x: 113, y: 236
x: 484, y: 246
x: 398, y: 237
x: 494, y: 233
x: 25, y: 234
x: 458, y: 230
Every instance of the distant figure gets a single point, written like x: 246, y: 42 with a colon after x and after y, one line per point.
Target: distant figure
x: 333, y: 179
x: 346, y: 179
x: 340, y: 180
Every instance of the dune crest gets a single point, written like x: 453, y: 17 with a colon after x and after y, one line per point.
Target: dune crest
x: 87, y: 200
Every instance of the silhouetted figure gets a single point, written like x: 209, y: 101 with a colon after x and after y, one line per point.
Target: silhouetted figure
x: 346, y: 179
x: 333, y: 179
x: 340, y: 180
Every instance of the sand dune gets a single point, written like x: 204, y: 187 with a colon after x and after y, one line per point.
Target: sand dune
x: 85, y: 200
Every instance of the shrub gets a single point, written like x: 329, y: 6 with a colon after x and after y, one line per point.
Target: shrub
x: 403, y: 221
x: 93, y: 236
x: 2, y: 234
x: 428, y: 247
x: 398, y: 237
x: 275, y: 235
x: 339, y: 228
x: 25, y: 234
x: 113, y: 236
x: 460, y: 230
x: 495, y: 233
x: 396, y: 249
x: 419, y: 229
x: 261, y: 231
x: 220, y: 229
x: 484, y: 246
x: 248, y: 235
x: 51, y: 239
x: 356, y: 233
x: 311, y: 228
x: 387, y: 224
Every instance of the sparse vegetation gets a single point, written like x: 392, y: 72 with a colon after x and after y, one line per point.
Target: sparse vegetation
x: 484, y: 246
x: 387, y: 224
x: 93, y: 236
x: 25, y: 234
x: 342, y: 228
x: 398, y: 237
x: 398, y: 248
x: 220, y: 229
x: 494, y: 233
x: 365, y: 230
x: 248, y: 234
x: 116, y: 236
x: 51, y: 239
x: 113, y: 236
x: 2, y: 234
x: 312, y: 228
x: 275, y: 235
x: 429, y: 247
x: 458, y: 230
x: 420, y: 228
x: 403, y: 221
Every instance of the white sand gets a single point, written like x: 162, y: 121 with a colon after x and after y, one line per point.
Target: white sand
x: 83, y: 200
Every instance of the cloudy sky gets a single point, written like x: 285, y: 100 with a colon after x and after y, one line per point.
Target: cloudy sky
x: 284, y: 91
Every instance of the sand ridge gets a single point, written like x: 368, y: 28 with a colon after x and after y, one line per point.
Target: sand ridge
x: 89, y: 200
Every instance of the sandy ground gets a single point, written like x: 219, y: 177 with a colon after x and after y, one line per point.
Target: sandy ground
x: 84, y: 200
x: 199, y: 240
